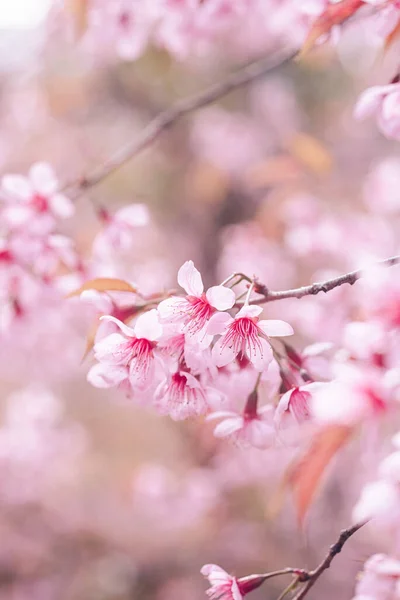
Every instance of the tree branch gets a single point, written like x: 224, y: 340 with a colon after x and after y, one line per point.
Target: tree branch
x: 334, y: 550
x: 164, y: 120
x: 316, y: 288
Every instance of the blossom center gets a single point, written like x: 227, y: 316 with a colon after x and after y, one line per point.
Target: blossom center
x: 242, y: 332
x: 141, y: 351
x: 198, y: 312
x: 40, y: 203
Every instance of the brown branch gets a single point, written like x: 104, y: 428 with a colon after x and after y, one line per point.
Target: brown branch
x: 164, y: 120
x: 316, y: 288
x: 334, y: 550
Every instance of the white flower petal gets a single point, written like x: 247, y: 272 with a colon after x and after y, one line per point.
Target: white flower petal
x: 223, y: 354
x: 260, y: 354
x: 128, y: 331
x: 43, y: 178
x: 276, y: 328
x: 16, y: 187
x: 190, y: 280
x: 221, y: 297
x: 148, y: 326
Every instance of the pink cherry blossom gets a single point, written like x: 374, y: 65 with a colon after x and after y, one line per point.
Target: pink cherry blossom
x: 246, y: 429
x: 195, y: 310
x: 296, y: 402
x: 358, y: 393
x: 380, y: 579
x: 133, y: 348
x: 223, y: 585
x: 102, y: 375
x: 247, y: 335
x: 380, y: 499
x: 120, y: 228
x: 384, y: 102
x: 380, y: 298
x: 382, y: 186
x: 34, y: 202
x: 122, y: 27
x: 180, y: 395
x: 227, y: 587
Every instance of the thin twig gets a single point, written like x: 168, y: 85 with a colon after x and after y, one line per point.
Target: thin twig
x: 292, y: 585
x: 164, y: 120
x: 325, y: 286
x: 334, y: 550
x: 288, y: 571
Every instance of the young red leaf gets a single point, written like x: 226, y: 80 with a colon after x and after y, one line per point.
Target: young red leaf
x: 335, y: 14
x: 104, y: 284
x: 305, y: 474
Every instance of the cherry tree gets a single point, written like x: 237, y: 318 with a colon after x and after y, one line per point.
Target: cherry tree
x: 200, y: 309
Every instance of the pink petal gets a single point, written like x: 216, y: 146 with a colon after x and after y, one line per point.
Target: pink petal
x: 43, y: 178
x: 317, y: 348
x: 390, y: 467
x: 283, y: 406
x: 236, y: 595
x: 276, y: 328
x: 190, y: 280
x: 148, y: 326
x: 191, y: 381
x: 389, y: 117
x: 258, y: 434
x: 377, y: 498
x: 260, y: 355
x: 313, y: 387
x: 172, y: 309
x: 61, y: 206
x: 128, y: 331
x: 388, y: 566
x: 249, y: 310
x: 221, y: 414
x: 106, y: 376
x: 135, y: 215
x: 141, y: 378
x: 222, y: 354
x: 16, y: 187
x: 391, y: 106
x: 215, y: 574
x: 218, y: 323
x: 228, y: 426
x: 112, y: 349
x: 17, y: 214
x: 221, y: 297
x: 370, y: 101
x: 98, y: 300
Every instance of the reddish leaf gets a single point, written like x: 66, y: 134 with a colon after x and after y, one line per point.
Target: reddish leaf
x: 305, y: 474
x: 335, y: 14
x: 104, y: 284
x: 90, y: 340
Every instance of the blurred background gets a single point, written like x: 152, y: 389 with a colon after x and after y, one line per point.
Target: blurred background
x: 102, y: 499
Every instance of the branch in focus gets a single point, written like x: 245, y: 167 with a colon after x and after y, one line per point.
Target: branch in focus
x: 334, y: 550
x: 164, y: 120
x: 316, y: 288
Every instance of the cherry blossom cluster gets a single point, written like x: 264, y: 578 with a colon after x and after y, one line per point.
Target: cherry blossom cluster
x: 32, y: 249
x: 225, y: 355
x: 178, y: 354
x: 192, y: 28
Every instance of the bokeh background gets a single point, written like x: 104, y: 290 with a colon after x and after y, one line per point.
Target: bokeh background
x: 105, y: 500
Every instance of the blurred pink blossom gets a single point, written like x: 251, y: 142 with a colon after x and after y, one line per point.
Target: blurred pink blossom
x: 384, y: 102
